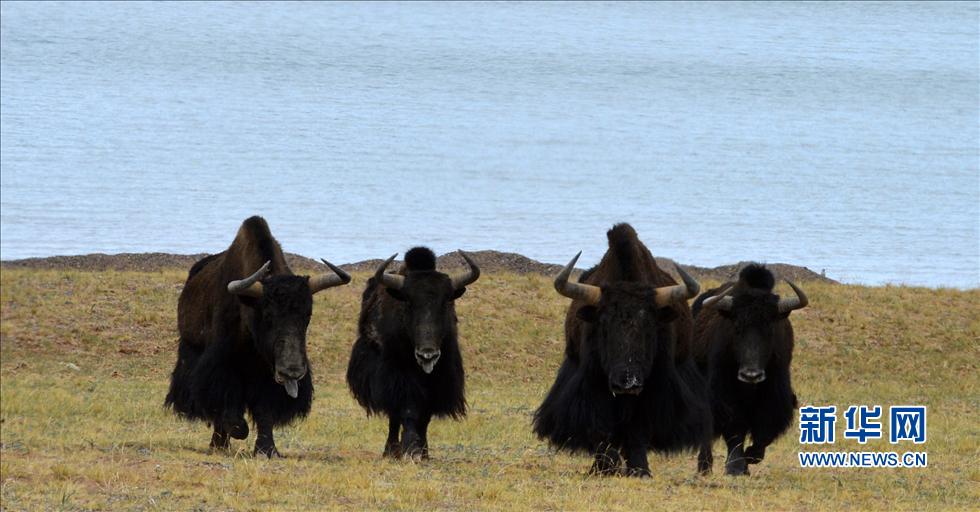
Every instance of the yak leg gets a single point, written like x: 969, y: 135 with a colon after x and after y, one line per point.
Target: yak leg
x: 607, y: 460
x: 755, y: 453
x: 218, y: 389
x: 424, y: 434
x: 233, y: 423
x: 265, y: 444
x: 411, y: 440
x: 736, y: 464
x: 705, y: 458
x: 636, y: 459
x: 219, y: 439
x: 393, y: 450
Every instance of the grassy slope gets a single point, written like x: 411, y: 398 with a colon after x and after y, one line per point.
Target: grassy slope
x: 85, y: 358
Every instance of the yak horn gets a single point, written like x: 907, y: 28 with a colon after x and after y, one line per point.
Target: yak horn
x: 461, y: 280
x: 393, y: 281
x: 323, y: 281
x: 667, y: 295
x: 251, y: 285
x: 577, y: 291
x: 798, y: 302
x: 719, y: 300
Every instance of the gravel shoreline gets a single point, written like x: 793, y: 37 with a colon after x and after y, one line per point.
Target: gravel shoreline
x: 489, y: 261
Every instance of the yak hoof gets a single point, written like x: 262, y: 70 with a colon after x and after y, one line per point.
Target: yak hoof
x: 604, y: 470
x: 412, y: 446
x: 237, y: 428
x: 737, y: 471
x: 392, y: 451
x: 637, y: 473
x: 416, y: 454
x: 219, y: 442
x: 754, y: 454
x: 269, y: 451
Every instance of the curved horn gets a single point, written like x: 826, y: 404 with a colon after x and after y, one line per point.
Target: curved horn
x: 323, y: 281
x: 461, y: 280
x: 578, y: 291
x: 667, y: 295
x: 719, y: 300
x: 251, y: 285
x: 394, y: 281
x: 798, y: 302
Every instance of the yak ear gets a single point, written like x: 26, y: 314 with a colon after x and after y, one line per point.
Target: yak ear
x: 459, y: 293
x: 396, y: 294
x: 587, y: 313
x: 667, y: 314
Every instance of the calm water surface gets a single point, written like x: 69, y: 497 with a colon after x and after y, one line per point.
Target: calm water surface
x: 842, y: 137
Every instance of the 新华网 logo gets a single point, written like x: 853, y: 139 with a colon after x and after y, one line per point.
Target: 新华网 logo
x: 906, y: 424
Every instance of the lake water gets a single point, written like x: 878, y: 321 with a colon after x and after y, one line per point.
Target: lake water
x: 843, y: 137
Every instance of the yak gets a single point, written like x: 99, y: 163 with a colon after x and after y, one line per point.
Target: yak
x: 743, y: 344
x: 406, y: 362
x: 627, y: 384
x: 242, y: 318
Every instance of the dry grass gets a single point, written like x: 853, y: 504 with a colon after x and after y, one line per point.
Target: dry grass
x: 85, y: 357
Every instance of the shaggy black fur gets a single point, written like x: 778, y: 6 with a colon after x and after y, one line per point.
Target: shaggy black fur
x: 420, y: 258
x: 626, y: 332
x: 384, y: 374
x: 226, y: 355
x: 754, y: 334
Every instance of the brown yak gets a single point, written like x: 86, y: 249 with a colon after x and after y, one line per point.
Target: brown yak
x: 242, y: 318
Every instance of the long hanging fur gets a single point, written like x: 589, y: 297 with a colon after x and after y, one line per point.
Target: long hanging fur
x: 579, y: 413
x: 383, y: 378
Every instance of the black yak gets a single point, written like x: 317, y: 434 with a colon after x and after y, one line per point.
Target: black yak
x: 743, y: 342
x: 406, y: 362
x: 627, y: 384
x: 242, y: 318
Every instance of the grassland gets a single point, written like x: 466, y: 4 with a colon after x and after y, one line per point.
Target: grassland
x: 85, y: 358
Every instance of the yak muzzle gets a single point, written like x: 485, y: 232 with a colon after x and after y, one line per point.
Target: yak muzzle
x: 751, y: 375
x: 626, y: 384
x: 289, y: 378
x: 427, y: 358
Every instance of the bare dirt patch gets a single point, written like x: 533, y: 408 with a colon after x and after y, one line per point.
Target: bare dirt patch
x: 489, y: 261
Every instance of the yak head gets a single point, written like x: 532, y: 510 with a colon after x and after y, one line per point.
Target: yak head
x: 755, y: 313
x: 429, y: 300
x: 627, y: 322
x: 277, y: 312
